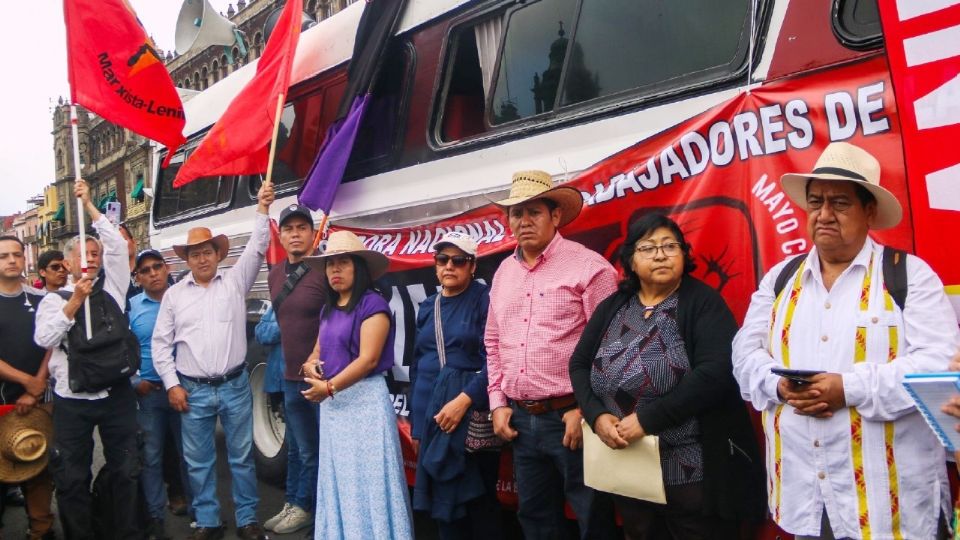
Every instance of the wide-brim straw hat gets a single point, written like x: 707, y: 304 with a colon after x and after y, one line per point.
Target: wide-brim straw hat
x: 845, y: 162
x: 202, y: 235
x: 532, y: 185
x: 24, y: 444
x: 347, y: 243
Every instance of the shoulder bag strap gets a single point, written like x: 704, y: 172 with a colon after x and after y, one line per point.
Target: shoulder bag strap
x: 438, y: 330
x: 289, y: 285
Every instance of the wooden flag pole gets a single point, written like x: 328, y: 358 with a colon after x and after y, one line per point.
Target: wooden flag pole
x: 80, y: 221
x: 273, y: 140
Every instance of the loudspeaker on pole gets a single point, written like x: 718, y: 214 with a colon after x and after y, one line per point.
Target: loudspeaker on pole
x: 199, y: 26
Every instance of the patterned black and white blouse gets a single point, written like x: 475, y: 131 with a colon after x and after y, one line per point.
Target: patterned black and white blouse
x: 639, y: 360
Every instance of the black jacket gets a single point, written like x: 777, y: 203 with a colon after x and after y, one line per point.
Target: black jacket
x: 733, y: 470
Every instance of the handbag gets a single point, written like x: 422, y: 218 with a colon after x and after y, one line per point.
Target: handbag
x: 480, y: 435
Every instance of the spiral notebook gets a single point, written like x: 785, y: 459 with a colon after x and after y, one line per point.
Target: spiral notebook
x: 930, y: 391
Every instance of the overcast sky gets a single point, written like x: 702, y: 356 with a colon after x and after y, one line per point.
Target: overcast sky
x: 33, y: 61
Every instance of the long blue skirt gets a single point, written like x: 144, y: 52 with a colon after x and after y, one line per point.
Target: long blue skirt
x: 361, y: 489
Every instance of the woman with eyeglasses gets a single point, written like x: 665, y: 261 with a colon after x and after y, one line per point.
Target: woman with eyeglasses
x: 654, y: 359
x: 448, y: 382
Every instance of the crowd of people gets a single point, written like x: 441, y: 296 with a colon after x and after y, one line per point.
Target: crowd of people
x: 558, y: 340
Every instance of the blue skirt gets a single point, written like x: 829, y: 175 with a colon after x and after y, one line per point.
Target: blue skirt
x: 361, y: 489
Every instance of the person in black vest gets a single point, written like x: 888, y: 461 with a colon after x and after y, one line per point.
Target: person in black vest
x: 23, y: 371
x: 76, y: 414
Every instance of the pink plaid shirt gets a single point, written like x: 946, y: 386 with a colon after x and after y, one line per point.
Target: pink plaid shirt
x: 536, y: 317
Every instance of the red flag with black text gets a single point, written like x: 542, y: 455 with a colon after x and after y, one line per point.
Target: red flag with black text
x: 116, y: 72
x: 239, y: 143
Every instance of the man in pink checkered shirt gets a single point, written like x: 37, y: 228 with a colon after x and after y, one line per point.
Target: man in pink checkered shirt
x: 540, y: 300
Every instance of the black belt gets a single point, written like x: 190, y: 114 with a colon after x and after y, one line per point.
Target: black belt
x: 214, y: 381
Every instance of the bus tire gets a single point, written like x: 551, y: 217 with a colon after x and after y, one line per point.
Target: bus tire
x: 269, y: 430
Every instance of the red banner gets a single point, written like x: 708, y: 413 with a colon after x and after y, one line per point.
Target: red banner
x: 923, y: 48
x: 116, y: 72
x: 716, y: 174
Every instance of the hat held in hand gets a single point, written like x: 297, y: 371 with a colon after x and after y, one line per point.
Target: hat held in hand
x: 23, y: 445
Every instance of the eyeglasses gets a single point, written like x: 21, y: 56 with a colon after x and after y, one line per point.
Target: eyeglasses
x: 458, y: 260
x: 56, y: 267
x: 670, y: 249
x: 155, y: 267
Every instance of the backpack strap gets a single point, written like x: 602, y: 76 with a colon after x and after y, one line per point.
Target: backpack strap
x: 289, y: 285
x: 786, y: 273
x: 895, y: 274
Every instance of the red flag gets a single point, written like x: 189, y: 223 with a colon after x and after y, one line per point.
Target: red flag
x: 116, y: 72
x: 275, y: 252
x: 239, y: 142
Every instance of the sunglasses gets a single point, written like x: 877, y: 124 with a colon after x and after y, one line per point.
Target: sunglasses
x: 458, y: 260
x: 56, y: 267
x: 155, y: 267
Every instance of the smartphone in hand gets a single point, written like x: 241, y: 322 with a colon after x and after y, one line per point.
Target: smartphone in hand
x: 797, y: 376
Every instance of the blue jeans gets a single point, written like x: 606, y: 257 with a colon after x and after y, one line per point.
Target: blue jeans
x: 232, y: 403
x: 156, y: 418
x: 301, y: 418
x: 546, y: 472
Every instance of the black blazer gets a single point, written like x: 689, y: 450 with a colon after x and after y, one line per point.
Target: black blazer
x: 734, y: 473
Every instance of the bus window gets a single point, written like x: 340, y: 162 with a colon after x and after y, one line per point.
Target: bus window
x: 382, y: 127
x: 303, y: 124
x: 199, y: 196
x: 857, y: 23
x: 509, y: 69
x: 668, y: 44
x: 534, y: 51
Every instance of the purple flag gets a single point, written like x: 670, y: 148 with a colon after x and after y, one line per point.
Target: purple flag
x: 325, y: 174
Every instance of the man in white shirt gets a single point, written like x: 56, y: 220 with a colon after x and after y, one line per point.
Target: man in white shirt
x: 75, y: 414
x: 848, y: 454
x: 199, y: 350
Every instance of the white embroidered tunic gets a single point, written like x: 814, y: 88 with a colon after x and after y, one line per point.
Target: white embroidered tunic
x: 875, y: 466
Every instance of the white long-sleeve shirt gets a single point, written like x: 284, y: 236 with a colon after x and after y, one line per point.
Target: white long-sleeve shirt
x: 53, y: 324
x: 201, y: 331
x: 880, y: 437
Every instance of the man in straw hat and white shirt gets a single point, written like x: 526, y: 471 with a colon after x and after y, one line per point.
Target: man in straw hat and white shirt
x: 541, y: 298
x: 75, y: 414
x: 199, y: 351
x: 848, y: 454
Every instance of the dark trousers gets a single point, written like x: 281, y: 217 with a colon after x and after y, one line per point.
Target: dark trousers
x: 73, y: 421
x: 680, y: 518
x: 482, y: 521
x: 546, y: 473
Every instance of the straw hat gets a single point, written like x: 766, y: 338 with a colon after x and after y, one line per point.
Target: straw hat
x: 202, y: 235
x: 532, y: 185
x: 347, y: 243
x: 23, y: 445
x: 848, y: 163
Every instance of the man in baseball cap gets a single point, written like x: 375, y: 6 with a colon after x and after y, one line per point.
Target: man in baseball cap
x: 296, y: 293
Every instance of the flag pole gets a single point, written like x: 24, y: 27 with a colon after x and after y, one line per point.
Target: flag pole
x: 273, y: 139
x: 80, y: 221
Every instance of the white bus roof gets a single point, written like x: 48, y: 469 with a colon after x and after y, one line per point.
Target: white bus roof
x: 320, y: 48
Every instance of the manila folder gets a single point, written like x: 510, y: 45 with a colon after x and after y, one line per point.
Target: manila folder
x: 633, y: 471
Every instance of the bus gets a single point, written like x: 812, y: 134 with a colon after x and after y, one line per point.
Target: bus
x: 691, y: 108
